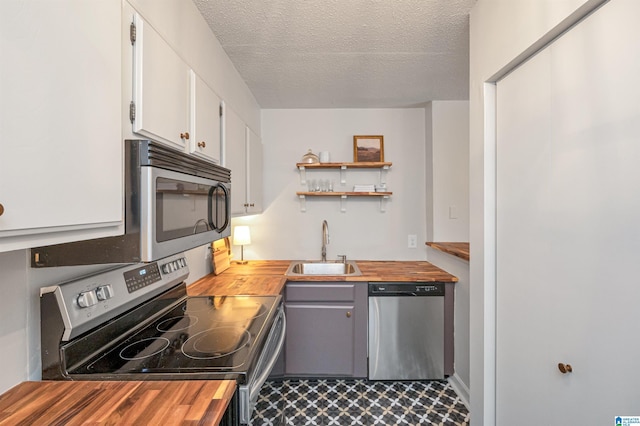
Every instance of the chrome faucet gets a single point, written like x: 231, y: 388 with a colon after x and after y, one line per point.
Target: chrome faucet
x: 325, y: 239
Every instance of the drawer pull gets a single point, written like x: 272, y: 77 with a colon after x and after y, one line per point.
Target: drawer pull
x: 202, y: 144
x: 184, y: 135
x: 1, y: 209
x: 348, y: 314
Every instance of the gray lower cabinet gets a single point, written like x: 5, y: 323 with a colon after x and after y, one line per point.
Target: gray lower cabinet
x: 326, y: 329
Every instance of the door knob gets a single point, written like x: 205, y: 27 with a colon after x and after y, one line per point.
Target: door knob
x: 565, y: 368
x: 184, y: 135
x: 202, y: 144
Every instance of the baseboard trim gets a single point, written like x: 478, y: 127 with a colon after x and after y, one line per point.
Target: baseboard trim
x: 461, y: 389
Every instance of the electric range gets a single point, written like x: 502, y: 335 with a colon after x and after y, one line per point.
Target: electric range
x: 137, y: 323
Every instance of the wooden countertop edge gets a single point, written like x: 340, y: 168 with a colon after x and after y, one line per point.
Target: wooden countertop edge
x: 460, y: 250
x: 172, y: 402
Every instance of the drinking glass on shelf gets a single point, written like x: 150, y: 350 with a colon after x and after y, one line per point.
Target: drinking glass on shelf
x: 316, y: 185
x: 312, y: 185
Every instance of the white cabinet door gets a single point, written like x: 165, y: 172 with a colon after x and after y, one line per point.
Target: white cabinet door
x: 60, y: 121
x: 254, y: 173
x: 568, y: 238
x: 161, y: 88
x: 243, y: 155
x: 235, y: 160
x: 205, y: 120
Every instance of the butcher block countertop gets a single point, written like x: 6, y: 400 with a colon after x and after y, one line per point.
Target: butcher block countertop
x: 264, y: 277
x: 108, y: 403
x: 460, y: 250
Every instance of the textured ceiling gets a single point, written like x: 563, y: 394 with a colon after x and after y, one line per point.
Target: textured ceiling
x: 346, y: 53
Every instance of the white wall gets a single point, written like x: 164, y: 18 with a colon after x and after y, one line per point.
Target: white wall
x: 459, y: 268
x: 501, y: 30
x: 14, y: 305
x: 448, y: 170
x: 447, y: 174
x: 362, y: 232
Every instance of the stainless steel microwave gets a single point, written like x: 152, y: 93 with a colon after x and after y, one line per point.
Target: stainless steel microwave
x: 173, y: 202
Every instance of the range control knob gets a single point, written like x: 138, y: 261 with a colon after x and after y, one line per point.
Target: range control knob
x: 104, y: 292
x: 87, y: 298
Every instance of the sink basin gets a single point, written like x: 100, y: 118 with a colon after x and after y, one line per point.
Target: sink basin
x: 306, y: 268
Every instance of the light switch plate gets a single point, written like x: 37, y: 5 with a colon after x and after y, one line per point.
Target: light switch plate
x: 453, y: 212
x: 412, y: 241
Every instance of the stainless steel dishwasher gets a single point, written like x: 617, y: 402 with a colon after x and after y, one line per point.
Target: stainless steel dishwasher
x: 406, y: 331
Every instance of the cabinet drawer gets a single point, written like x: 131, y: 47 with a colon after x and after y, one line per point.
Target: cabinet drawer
x: 320, y: 292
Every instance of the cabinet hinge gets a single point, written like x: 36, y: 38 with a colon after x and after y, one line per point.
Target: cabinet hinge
x: 132, y: 111
x: 132, y: 33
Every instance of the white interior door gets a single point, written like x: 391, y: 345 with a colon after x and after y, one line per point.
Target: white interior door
x: 568, y: 239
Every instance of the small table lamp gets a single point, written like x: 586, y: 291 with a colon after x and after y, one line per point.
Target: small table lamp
x: 241, y: 237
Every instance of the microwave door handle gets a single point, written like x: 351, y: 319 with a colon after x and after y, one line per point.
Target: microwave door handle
x: 227, y: 208
x: 210, y: 208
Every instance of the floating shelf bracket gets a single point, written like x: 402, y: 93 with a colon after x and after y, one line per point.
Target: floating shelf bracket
x: 343, y: 175
x: 303, y: 203
x: 343, y: 203
x: 303, y: 175
x: 383, y: 174
x: 383, y: 201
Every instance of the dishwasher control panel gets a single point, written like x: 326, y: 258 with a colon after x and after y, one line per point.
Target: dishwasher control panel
x: 406, y: 289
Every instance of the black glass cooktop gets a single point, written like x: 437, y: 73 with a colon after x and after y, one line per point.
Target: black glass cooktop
x: 212, y: 334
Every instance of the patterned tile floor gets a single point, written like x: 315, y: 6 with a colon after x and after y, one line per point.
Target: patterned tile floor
x: 358, y: 402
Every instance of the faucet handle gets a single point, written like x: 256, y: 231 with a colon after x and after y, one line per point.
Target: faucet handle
x: 343, y: 258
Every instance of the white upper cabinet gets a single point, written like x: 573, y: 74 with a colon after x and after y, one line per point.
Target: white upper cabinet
x: 160, y: 88
x: 244, y: 157
x: 235, y: 159
x: 205, y: 120
x: 60, y: 122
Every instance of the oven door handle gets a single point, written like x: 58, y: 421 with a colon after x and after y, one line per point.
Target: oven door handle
x: 255, y: 389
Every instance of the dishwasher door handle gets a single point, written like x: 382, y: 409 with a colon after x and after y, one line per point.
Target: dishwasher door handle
x: 374, y: 334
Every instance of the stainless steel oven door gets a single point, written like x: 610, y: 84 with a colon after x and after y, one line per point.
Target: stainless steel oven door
x: 249, y: 392
x: 179, y: 212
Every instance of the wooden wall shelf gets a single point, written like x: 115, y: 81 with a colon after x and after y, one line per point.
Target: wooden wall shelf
x: 374, y: 165
x: 303, y: 167
x: 383, y: 196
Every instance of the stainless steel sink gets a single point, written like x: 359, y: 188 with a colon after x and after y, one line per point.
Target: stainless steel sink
x: 307, y: 268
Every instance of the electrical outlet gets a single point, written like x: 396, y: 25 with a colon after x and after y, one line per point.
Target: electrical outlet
x: 412, y: 241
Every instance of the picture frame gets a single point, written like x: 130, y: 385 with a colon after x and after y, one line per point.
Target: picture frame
x: 368, y: 149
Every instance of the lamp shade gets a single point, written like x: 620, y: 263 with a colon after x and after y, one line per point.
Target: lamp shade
x: 241, y: 236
